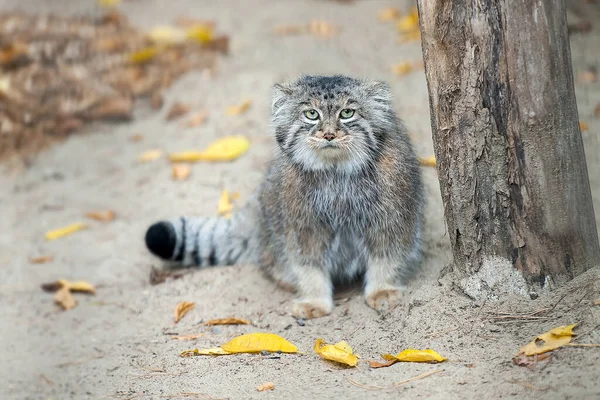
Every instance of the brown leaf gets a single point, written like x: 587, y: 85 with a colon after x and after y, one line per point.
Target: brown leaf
x: 377, y: 364
x: 177, y: 110
x: 583, y: 126
x: 590, y: 75
x: 187, y: 337
x: 138, y: 137
x: 597, y: 302
x: 266, y: 386
x: 13, y: 53
x: 51, y: 286
x: 183, y: 308
x: 597, y: 110
x: 197, y: 119
x: 41, y: 259
x: 103, y: 216
x: 65, y: 299
x: 181, y: 172
x: 227, y: 321
x: 116, y: 108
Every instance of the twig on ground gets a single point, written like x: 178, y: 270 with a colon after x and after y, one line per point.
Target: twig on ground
x: 69, y: 363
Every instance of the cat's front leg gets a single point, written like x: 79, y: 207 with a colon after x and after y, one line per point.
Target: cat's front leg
x: 314, y: 290
x: 383, y: 287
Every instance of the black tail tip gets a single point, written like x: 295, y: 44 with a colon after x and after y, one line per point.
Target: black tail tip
x: 161, y: 239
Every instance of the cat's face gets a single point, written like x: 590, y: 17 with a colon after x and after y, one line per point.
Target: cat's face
x: 331, y: 122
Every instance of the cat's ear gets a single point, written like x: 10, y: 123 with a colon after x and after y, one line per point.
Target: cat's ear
x: 280, y: 92
x: 379, y: 91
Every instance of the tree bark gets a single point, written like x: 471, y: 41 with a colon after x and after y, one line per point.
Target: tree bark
x: 506, y: 135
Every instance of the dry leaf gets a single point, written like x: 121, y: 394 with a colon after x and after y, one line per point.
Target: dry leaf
x: 225, y: 206
x: 108, y: 3
x: 413, y: 355
x: 104, y: 216
x: 150, y: 155
x: 12, y: 53
x: 197, y: 119
x: 144, y: 55
x: 177, y: 110
x: 378, y: 364
x: 65, y: 299
x: 590, y: 75
x: 523, y: 361
x: 166, y: 35
x: 201, y: 33
x: 136, y: 138
x: 389, y: 14
x: 67, y: 230
x: 183, y: 308
x: 266, y: 386
x: 428, y: 161
x: 181, y: 171
x: 583, y: 126
x: 597, y: 302
x: 257, y: 342
x: 239, y: 109
x: 227, y: 321
x: 410, y: 22
x: 340, y: 352
x: 597, y: 110
x: 187, y: 337
x: 226, y: 149
x: 41, y: 259
x: 551, y: 340
x: 322, y: 28
x: 115, y: 108
x: 215, y: 351
x: 78, y: 286
x: 402, y: 69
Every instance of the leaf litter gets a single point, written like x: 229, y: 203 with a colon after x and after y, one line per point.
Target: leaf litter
x: 64, y: 290
x: 183, y: 308
x: 409, y: 355
x: 548, y: 341
x: 227, y: 321
x: 266, y: 386
x: 41, y: 259
x: 114, y: 64
x: 248, y: 343
x: 102, y: 216
x: 340, y: 352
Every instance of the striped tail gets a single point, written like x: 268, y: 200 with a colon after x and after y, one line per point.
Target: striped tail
x: 203, y: 241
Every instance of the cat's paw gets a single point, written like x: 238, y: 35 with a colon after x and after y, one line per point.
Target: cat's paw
x: 384, y: 299
x: 312, y: 308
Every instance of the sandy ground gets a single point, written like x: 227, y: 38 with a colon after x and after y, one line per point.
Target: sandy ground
x: 119, y: 343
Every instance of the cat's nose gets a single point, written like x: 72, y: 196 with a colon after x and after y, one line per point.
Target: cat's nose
x: 329, y: 136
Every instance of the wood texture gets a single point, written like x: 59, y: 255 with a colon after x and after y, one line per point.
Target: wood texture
x: 510, y: 156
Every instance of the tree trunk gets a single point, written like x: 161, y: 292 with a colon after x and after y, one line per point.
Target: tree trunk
x: 510, y: 156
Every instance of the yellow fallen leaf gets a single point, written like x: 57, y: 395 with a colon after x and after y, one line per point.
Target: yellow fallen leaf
x: 428, y: 161
x: 67, y: 230
x: 413, y: 355
x: 108, y: 3
x: 200, y: 33
x: 166, y: 35
x: 410, y: 22
x: 104, y: 216
x: 187, y: 337
x: 65, y: 299
x: 215, y: 351
x: 183, y: 308
x: 402, y: 69
x: 266, y: 386
x: 225, y: 206
x: 257, y: 342
x: 340, y: 352
x: 583, y: 126
x: 389, y: 14
x: 226, y: 149
x: 150, y: 155
x: 239, y: 109
x: 41, y: 259
x: 551, y: 340
x: 181, y: 171
x: 227, y: 321
x: 143, y: 55
x: 78, y: 286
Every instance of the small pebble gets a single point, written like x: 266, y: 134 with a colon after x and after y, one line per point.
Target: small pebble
x: 217, y: 330
x: 300, y: 321
x: 264, y: 353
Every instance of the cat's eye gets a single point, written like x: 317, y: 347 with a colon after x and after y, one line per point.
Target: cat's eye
x: 346, y: 113
x: 311, y: 114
